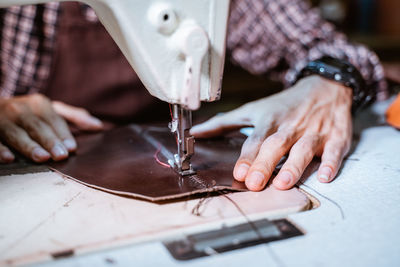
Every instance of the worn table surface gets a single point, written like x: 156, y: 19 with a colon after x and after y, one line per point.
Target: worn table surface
x: 357, y: 223
x: 45, y: 216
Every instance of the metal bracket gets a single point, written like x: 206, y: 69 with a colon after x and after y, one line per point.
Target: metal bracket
x: 231, y: 238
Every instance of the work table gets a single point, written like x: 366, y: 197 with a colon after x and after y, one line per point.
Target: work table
x: 355, y: 221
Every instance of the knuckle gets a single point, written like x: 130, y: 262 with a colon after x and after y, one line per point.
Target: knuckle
x: 30, y: 123
x: 244, y: 160
x: 213, y: 122
x: 331, y: 164
x: 82, y: 111
x: 14, y: 108
x: 332, y: 155
x: 307, y: 154
x: 304, y: 144
x: 263, y: 167
x: 342, y: 145
x: 256, y: 137
x: 265, y: 123
x: 27, y: 147
x: 294, y: 169
x: 306, y: 147
x: 39, y: 131
x: 245, y: 120
x: 38, y: 98
x: 13, y: 136
x: 53, y: 117
x: 250, y: 145
x: 246, y: 151
x: 335, y: 152
x: 6, y: 132
x: 279, y: 139
x: 8, y: 129
x: 49, y: 142
x: 341, y: 134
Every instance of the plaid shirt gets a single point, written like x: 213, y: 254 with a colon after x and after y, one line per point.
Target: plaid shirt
x: 275, y: 37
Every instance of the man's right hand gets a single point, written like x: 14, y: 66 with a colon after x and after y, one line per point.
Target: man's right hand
x: 35, y: 127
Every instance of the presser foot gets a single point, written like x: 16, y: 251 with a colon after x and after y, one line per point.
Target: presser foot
x: 180, y: 126
x: 183, y: 168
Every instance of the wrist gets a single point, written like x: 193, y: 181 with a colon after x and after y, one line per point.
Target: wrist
x: 340, y: 72
x: 323, y: 89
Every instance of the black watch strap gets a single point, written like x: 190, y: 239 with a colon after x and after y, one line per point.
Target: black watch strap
x: 343, y: 72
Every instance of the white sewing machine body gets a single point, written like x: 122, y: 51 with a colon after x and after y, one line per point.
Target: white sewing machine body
x: 356, y: 224
x: 176, y: 47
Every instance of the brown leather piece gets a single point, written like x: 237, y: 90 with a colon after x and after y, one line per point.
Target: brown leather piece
x: 121, y: 161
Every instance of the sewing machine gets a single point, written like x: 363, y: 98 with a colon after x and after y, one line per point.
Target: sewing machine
x: 45, y: 217
x: 53, y: 221
x: 176, y: 47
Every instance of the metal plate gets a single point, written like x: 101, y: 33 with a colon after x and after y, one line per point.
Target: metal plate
x: 231, y: 238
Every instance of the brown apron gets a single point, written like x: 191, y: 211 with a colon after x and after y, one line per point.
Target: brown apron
x: 90, y: 71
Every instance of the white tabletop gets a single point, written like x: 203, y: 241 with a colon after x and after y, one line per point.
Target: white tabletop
x: 357, y: 223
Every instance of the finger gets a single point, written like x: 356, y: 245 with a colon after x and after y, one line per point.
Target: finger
x: 78, y: 116
x: 17, y: 138
x: 60, y: 128
x: 44, y: 135
x: 250, y: 149
x: 331, y: 159
x: 271, y: 151
x: 218, y: 125
x: 6, y: 156
x: 300, y: 156
x: 42, y: 107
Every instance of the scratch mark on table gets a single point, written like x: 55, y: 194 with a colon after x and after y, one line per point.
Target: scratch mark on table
x: 66, y: 204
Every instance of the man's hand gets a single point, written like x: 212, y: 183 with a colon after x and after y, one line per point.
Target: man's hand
x: 32, y: 125
x: 312, y: 118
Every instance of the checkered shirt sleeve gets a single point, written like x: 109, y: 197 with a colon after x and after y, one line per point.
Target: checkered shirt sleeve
x: 276, y: 37
x: 27, y: 39
x: 280, y: 37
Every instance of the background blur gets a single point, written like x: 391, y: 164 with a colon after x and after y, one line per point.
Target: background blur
x: 375, y: 23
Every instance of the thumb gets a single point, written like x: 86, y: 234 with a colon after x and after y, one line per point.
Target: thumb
x: 78, y: 116
x: 218, y: 125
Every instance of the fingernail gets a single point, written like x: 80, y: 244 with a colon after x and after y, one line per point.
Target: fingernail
x: 59, y: 151
x: 241, y: 171
x: 325, y: 174
x: 39, y: 154
x: 285, y: 177
x: 195, y: 130
x: 96, y: 122
x: 7, y: 156
x: 70, y: 144
x: 256, y: 179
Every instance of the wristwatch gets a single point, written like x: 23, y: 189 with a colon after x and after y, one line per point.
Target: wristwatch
x: 343, y: 72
